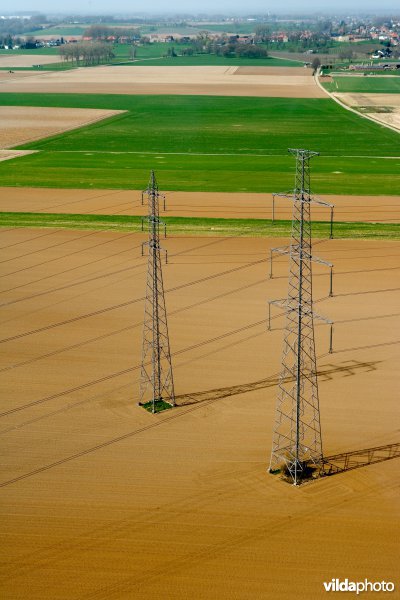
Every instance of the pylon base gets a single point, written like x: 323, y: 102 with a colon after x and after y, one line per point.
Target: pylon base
x: 158, y: 406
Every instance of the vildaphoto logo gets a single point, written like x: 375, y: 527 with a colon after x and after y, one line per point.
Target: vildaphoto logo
x: 358, y: 586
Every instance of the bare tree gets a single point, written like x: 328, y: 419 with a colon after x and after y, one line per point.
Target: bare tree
x: 262, y: 33
x: 346, y: 53
x: 316, y: 63
x: 90, y: 53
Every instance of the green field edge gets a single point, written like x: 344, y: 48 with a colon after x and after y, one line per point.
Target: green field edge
x: 198, y: 226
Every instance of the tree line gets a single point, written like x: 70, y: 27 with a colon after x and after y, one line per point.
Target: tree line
x: 223, y: 45
x: 15, y: 26
x: 103, y: 32
x: 87, y: 53
x: 11, y: 29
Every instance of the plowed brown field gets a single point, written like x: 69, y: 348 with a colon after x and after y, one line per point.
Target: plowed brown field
x: 103, y: 500
x: 198, y: 80
x: 21, y: 124
x: 382, y: 209
x: 373, y: 103
x: 27, y: 60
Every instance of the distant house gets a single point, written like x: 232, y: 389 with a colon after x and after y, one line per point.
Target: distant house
x: 164, y: 39
x: 372, y: 67
x: 279, y: 37
x: 384, y: 53
x: 245, y: 39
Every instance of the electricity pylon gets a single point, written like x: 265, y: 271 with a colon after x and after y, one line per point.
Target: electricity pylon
x: 297, y: 439
x: 156, y: 377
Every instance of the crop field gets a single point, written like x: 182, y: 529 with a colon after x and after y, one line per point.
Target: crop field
x: 213, y: 59
x: 154, y: 50
x: 158, y: 51
x: 133, y: 504
x: 214, y: 205
x: 154, y: 54
x: 22, y: 51
x: 16, y: 71
x: 208, y: 144
x: 59, y: 31
x: 101, y: 499
x: 23, y: 124
x: 383, y: 108
x: 26, y: 60
x: 198, y: 226
x: 366, y: 85
x: 243, y: 28
x: 200, y: 80
x: 91, y: 169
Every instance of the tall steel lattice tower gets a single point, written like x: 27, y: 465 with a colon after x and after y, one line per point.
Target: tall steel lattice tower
x: 156, y: 378
x: 297, y: 440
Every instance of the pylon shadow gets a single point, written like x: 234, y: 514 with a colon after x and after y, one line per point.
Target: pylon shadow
x: 225, y: 392
x: 347, y: 461
x: 326, y: 373
x: 362, y: 293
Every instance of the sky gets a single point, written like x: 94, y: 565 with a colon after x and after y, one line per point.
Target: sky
x: 200, y: 6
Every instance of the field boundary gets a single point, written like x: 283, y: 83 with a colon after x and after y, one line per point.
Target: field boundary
x: 111, y: 114
x: 206, y: 226
x: 159, y: 153
x: 8, y: 154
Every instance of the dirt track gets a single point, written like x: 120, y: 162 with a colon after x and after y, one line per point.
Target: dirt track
x: 21, y: 124
x: 383, y: 209
x: 197, y: 80
x: 182, y: 506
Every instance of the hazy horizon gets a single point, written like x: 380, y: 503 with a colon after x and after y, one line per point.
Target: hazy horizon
x: 206, y: 6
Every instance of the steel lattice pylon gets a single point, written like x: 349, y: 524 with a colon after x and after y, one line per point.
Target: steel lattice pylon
x: 156, y: 378
x: 297, y: 440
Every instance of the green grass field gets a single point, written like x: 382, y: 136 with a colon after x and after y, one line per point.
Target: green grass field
x: 58, y: 31
x: 364, y: 85
x: 199, y: 226
x: 204, y: 143
x: 243, y: 28
x: 213, y: 59
x: 35, y: 51
x: 156, y: 51
x: 60, y: 66
x: 152, y: 54
x: 234, y: 173
x: 213, y: 124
